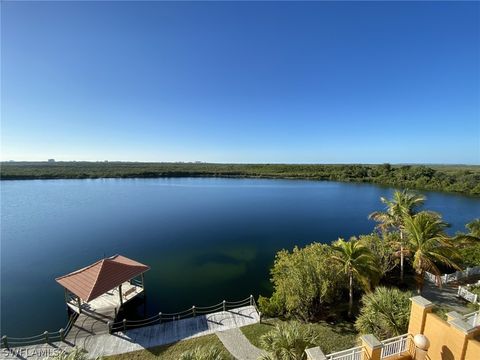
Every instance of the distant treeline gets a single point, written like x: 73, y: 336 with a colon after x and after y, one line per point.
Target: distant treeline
x: 452, y: 178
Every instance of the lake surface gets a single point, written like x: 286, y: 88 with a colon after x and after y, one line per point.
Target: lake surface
x: 206, y: 239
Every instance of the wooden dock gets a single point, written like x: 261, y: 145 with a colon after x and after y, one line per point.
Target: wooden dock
x: 93, y: 338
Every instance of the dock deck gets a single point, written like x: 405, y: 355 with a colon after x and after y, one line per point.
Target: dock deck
x: 103, y: 344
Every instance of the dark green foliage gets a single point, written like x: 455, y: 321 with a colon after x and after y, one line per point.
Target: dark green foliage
x: 470, y: 255
x: 305, y: 281
x: 461, y: 179
x: 384, y: 313
x: 288, y: 341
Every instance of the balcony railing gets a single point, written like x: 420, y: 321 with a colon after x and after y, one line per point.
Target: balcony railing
x: 394, y: 346
x: 349, y: 354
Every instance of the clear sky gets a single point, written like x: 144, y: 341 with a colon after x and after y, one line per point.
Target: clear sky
x: 285, y: 82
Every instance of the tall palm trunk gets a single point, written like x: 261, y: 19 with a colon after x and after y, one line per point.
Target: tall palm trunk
x: 401, y: 256
x: 350, y: 294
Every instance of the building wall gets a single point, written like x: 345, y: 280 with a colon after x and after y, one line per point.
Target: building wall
x: 449, y: 340
x: 473, y: 350
x: 446, y: 342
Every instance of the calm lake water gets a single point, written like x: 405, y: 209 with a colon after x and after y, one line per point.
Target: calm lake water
x: 205, y: 239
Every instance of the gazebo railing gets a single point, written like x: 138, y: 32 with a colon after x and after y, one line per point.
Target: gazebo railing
x: 187, y: 313
x: 43, y: 338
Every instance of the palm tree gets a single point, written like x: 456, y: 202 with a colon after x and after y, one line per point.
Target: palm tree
x: 358, y: 263
x: 429, y: 245
x: 288, y: 341
x: 403, y: 203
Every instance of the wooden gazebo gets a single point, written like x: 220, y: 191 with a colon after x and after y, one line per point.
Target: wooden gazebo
x: 106, y: 284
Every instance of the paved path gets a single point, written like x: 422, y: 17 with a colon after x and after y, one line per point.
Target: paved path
x: 238, y: 345
x: 145, y: 337
x: 446, y: 295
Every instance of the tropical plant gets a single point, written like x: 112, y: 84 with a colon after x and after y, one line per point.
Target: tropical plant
x: 429, y: 245
x: 203, y: 353
x: 403, y: 203
x: 384, y: 313
x: 75, y: 354
x: 288, y: 341
x: 474, y: 228
x: 468, y: 244
x: 358, y: 263
x: 304, y: 281
x: 383, y: 247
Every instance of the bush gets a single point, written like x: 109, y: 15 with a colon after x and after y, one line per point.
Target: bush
x: 288, y: 341
x: 384, y: 313
x: 203, y: 353
x: 305, y: 281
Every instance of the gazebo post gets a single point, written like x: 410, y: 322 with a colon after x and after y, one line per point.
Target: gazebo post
x: 143, y: 282
x: 66, y: 296
x: 79, y: 305
x: 120, y: 293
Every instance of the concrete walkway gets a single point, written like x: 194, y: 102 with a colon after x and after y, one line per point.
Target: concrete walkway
x: 238, y: 345
x: 447, y: 295
x: 142, y: 338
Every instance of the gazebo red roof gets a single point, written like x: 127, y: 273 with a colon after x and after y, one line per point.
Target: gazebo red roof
x: 104, y: 275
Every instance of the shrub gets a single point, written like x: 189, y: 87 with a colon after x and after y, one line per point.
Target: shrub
x: 288, y: 341
x: 203, y: 353
x: 384, y: 313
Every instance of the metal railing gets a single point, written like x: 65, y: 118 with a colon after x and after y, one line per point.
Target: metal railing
x: 447, y: 278
x: 187, y: 313
x: 394, y: 346
x: 44, y: 338
x: 349, y: 354
x: 464, y: 293
x: 473, y: 318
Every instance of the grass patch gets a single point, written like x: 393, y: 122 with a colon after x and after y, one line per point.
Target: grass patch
x: 331, y: 337
x: 173, y: 351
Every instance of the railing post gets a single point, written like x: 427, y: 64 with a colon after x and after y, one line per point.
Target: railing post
x: 372, y: 348
x: 109, y: 324
x: 62, y: 335
x: 124, y: 324
x: 193, y: 310
x: 224, y: 305
x: 46, y: 336
x: 160, y: 317
x: 5, y: 341
x: 251, y: 300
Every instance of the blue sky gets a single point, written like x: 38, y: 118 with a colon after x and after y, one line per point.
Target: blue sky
x: 285, y: 82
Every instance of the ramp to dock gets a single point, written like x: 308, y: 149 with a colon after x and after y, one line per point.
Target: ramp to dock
x: 91, y: 336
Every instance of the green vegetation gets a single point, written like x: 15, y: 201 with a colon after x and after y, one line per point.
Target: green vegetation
x: 330, y: 337
x: 470, y: 249
x: 314, y: 282
x: 358, y: 263
x: 428, y: 245
x: 404, y: 203
x: 203, y: 353
x: 461, y: 179
x: 384, y: 313
x: 475, y: 289
x: 305, y: 281
x: 176, y: 350
x: 288, y: 341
